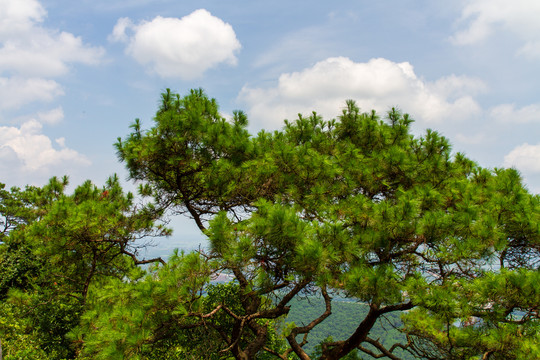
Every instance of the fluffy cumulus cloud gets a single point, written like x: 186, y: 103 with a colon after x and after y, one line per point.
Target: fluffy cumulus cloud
x: 179, y: 48
x: 28, y: 156
x: 32, y: 151
x: 32, y: 56
x: 525, y: 158
x: 482, y: 18
x: 18, y: 16
x: 29, y: 49
x: 377, y: 84
x: 18, y: 91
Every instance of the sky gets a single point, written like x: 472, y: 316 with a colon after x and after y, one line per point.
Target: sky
x: 75, y: 74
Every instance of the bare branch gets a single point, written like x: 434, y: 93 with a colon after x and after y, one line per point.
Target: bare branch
x: 384, y: 352
x: 275, y: 353
x: 142, y: 262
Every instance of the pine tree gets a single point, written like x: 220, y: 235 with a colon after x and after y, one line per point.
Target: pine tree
x: 355, y: 206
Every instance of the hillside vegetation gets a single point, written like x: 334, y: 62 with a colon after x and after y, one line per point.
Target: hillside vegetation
x: 341, y: 324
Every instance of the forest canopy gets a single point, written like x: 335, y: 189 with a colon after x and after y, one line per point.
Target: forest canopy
x: 354, y: 207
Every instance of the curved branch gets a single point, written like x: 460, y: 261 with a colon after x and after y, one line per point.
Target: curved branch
x: 384, y: 351
x: 291, y: 338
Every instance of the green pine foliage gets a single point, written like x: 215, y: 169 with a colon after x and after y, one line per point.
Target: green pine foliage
x: 55, y: 247
x: 356, y: 205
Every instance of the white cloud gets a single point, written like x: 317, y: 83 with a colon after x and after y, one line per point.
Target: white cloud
x: 179, y: 48
x: 377, y: 84
x: 17, y: 91
x: 28, y: 49
x: 119, y: 30
x: 525, y: 158
x: 61, y: 142
x: 46, y: 54
x: 33, y: 151
x: 509, y: 114
x: 18, y: 16
x: 483, y: 18
x: 31, y: 55
x: 53, y: 116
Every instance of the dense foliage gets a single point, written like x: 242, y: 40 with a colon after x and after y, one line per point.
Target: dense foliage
x: 55, y: 247
x: 355, y: 207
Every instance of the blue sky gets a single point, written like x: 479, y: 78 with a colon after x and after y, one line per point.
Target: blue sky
x: 74, y: 75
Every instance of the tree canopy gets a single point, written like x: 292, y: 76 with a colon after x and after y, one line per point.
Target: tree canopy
x: 355, y: 207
